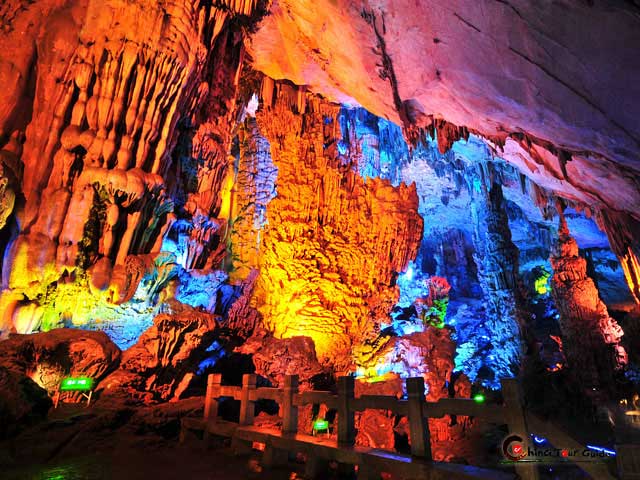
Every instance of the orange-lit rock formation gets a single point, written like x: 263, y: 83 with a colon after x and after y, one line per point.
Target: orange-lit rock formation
x: 333, y: 243
x: 591, y: 338
x: 123, y: 109
x: 144, y: 144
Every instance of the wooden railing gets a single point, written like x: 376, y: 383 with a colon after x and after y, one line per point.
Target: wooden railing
x: 511, y: 412
x: 414, y: 407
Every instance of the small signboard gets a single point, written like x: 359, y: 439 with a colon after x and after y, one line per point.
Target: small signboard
x: 320, y: 425
x: 69, y: 385
x: 80, y: 384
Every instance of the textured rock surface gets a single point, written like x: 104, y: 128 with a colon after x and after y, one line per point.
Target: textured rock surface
x: 31, y: 367
x: 47, y: 357
x: 591, y: 338
x: 115, y: 122
x: 274, y: 358
x: 165, y: 358
x: 497, y: 260
x: 151, y: 180
x: 333, y: 243
x: 429, y: 354
x: 624, y: 237
x: 561, y: 73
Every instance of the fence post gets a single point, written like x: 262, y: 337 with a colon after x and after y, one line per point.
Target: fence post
x: 214, y: 381
x: 419, y: 436
x: 517, y: 423
x: 247, y: 407
x: 346, y: 417
x: 289, y: 410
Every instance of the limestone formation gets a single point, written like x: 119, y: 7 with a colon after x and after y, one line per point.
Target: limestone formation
x: 623, y: 232
x: 333, y: 243
x: 49, y: 356
x: 274, y: 358
x: 125, y: 96
x: 591, y: 338
x: 496, y: 258
x: 180, y: 172
x: 165, y: 358
x: 513, y: 72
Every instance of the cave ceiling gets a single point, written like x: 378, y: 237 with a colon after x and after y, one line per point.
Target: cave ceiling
x: 554, y: 90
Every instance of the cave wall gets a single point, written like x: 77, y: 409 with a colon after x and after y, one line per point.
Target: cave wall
x: 115, y: 132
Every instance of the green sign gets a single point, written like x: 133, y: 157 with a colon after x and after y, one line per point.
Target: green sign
x: 76, y: 384
x: 321, y: 425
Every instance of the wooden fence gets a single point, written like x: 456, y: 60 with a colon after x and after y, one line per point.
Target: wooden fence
x: 511, y: 412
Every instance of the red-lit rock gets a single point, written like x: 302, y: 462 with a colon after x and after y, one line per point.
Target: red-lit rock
x: 274, y: 358
x: 375, y: 429
x: 48, y: 357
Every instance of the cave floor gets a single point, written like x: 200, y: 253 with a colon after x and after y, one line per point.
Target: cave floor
x: 144, y: 463
x: 105, y: 443
x: 112, y: 440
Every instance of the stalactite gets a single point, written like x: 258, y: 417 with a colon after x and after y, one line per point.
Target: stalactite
x: 591, y: 338
x: 623, y: 232
x: 110, y: 105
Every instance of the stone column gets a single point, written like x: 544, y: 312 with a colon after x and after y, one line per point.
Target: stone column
x: 496, y: 257
x: 591, y: 338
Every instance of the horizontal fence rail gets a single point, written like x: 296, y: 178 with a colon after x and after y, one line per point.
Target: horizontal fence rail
x: 511, y: 412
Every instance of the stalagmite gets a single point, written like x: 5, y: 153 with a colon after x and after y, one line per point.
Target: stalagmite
x: 320, y: 188
x: 591, y: 338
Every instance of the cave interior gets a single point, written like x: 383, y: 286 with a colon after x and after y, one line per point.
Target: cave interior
x: 378, y: 190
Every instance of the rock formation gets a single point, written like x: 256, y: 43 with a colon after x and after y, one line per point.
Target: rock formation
x: 125, y: 138
x: 274, y: 358
x: 32, y: 366
x: 332, y: 243
x: 509, y: 71
x: 497, y: 260
x: 48, y: 357
x: 591, y: 338
x: 165, y: 358
x: 174, y: 173
x: 623, y: 232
